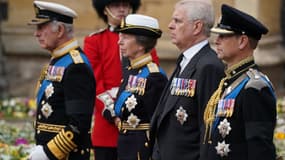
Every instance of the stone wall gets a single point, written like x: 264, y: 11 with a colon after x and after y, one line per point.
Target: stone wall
x: 23, y: 57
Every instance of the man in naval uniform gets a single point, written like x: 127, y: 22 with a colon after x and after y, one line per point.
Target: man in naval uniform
x: 65, y: 97
x: 240, y: 116
x: 178, y: 118
x: 102, y: 50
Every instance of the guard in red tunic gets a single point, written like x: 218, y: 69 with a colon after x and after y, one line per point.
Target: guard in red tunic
x: 102, y: 51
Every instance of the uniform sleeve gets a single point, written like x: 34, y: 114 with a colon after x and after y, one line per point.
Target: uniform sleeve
x: 155, y: 85
x: 79, y: 92
x: 259, y: 113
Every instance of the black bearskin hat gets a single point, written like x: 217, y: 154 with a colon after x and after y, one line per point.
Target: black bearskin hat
x: 99, y: 6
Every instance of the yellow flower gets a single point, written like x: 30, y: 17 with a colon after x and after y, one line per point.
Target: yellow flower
x: 32, y: 103
x: 279, y: 136
x: 3, y: 145
x: 19, y: 114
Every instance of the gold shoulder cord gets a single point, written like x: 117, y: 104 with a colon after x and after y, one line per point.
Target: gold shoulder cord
x: 209, y: 114
x: 41, y: 78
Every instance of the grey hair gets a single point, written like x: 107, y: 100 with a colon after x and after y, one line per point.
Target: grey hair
x: 68, y: 28
x: 199, y: 10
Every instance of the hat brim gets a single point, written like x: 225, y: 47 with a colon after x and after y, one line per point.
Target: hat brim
x: 141, y: 31
x: 38, y: 21
x: 221, y: 31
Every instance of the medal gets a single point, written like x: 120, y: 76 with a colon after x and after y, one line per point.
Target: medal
x: 131, y: 103
x: 181, y: 115
x: 49, y: 91
x: 223, y: 149
x: 133, y: 120
x: 224, y: 128
x: 46, y: 110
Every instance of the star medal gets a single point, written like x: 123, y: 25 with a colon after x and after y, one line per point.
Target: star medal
x: 49, y: 90
x: 46, y: 110
x: 224, y: 128
x: 181, y: 115
x: 131, y: 103
x: 133, y: 120
x: 223, y: 149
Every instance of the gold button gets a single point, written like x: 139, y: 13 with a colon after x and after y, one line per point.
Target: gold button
x: 82, y: 152
x: 146, y: 144
x: 43, y: 102
x: 75, y: 150
x: 39, y: 116
x: 38, y: 131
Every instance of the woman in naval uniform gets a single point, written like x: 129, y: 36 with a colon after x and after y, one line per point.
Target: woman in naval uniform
x: 141, y: 87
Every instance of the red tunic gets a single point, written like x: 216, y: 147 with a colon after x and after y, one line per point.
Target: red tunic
x: 102, y: 50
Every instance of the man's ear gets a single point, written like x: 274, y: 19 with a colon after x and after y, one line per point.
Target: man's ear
x: 61, y: 30
x: 243, y: 41
x: 198, y: 27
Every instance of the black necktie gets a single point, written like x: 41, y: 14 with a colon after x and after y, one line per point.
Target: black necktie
x: 178, y: 67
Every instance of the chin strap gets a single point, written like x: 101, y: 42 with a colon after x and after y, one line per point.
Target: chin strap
x: 112, y: 15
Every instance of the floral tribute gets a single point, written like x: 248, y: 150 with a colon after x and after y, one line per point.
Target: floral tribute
x: 17, y: 133
x: 16, y: 129
x: 279, y: 134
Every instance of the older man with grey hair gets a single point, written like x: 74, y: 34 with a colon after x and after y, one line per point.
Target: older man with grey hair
x: 66, y: 91
x: 178, y: 119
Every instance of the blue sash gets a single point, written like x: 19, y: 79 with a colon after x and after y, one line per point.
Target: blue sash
x: 125, y: 94
x: 65, y: 61
x: 236, y: 91
x: 232, y: 95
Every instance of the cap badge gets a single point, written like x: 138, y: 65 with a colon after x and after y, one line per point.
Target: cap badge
x: 36, y: 10
x: 122, y: 23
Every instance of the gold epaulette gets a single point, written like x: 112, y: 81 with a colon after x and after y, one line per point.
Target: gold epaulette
x: 152, y: 67
x: 75, y: 54
x: 62, y: 144
x: 256, y: 81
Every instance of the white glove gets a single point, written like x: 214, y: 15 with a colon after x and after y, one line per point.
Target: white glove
x: 38, y: 153
x: 113, y: 92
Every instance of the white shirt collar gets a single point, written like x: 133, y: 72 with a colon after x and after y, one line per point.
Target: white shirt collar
x: 191, y: 52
